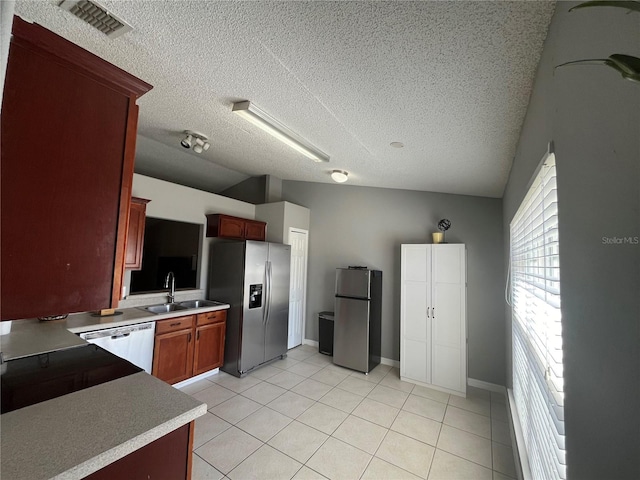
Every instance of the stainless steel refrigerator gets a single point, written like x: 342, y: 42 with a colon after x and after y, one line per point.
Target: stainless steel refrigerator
x: 357, y: 323
x: 253, y: 278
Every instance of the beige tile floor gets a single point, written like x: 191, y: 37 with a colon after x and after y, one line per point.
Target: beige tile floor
x: 305, y: 418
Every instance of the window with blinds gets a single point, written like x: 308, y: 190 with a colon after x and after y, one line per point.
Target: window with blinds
x: 537, y: 326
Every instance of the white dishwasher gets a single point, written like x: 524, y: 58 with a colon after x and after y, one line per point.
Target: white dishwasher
x: 133, y: 342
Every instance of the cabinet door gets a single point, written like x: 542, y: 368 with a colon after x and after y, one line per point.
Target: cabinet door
x: 65, y: 197
x: 415, y: 358
x: 168, y: 457
x: 135, y: 234
x: 449, y: 368
x: 230, y: 227
x: 209, y: 353
x: 173, y: 356
x: 255, y: 230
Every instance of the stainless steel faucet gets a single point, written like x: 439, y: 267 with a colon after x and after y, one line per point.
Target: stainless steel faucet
x: 171, y: 286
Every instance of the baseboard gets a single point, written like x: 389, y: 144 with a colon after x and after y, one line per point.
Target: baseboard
x: 191, y: 380
x: 389, y: 361
x: 472, y: 382
x: 383, y: 361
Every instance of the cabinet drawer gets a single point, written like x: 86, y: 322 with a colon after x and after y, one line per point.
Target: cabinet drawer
x: 212, y: 317
x: 174, y: 324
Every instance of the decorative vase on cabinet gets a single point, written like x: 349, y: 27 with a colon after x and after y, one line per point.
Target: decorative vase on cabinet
x: 433, y: 350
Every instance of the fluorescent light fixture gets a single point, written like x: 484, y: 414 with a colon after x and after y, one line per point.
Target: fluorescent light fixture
x: 272, y: 126
x: 340, y: 176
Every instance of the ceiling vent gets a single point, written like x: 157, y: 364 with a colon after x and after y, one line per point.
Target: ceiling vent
x: 97, y: 16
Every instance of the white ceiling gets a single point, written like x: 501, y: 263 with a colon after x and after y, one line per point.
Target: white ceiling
x: 449, y: 79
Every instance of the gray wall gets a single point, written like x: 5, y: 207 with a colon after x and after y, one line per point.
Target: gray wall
x: 593, y: 118
x: 366, y: 226
x: 251, y: 190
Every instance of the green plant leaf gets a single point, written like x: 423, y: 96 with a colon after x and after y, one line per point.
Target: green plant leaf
x: 625, y: 65
x: 631, y: 5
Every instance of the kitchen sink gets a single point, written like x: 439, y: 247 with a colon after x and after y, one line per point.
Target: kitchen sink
x: 165, y: 308
x: 186, y: 305
x: 199, y: 303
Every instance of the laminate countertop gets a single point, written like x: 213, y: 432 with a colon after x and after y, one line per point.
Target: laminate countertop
x: 32, y: 337
x: 72, y: 436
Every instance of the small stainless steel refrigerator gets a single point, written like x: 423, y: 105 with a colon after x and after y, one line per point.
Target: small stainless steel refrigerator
x: 253, y: 278
x: 357, y: 324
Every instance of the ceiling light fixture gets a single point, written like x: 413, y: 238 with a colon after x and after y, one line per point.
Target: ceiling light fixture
x: 186, y: 143
x: 340, y: 176
x: 266, y: 122
x: 198, y: 141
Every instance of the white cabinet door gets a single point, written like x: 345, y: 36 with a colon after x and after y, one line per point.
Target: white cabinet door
x: 433, y: 315
x: 415, y: 363
x: 448, y: 356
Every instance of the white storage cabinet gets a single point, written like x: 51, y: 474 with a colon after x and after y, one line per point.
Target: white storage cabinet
x: 433, y: 316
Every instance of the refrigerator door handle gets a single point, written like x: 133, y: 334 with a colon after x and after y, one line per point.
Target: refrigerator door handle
x: 267, y: 293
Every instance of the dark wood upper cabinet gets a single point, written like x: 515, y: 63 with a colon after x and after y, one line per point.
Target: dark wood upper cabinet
x: 255, y: 230
x: 69, y: 122
x: 226, y: 226
x: 135, y: 233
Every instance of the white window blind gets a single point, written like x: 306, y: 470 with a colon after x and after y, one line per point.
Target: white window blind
x: 537, y: 326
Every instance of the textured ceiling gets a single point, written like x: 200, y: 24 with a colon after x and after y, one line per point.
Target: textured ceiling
x: 449, y: 79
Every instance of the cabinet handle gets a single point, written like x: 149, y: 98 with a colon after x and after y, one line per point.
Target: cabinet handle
x: 433, y: 312
x: 189, y: 340
x: 198, y: 335
x: 174, y: 324
x: 428, y: 308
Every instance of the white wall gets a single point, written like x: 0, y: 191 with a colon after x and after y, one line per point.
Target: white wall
x: 176, y: 202
x: 280, y: 216
x: 593, y: 117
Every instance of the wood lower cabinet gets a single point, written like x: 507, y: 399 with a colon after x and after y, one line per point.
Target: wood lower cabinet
x: 226, y: 226
x: 173, y: 349
x: 209, y: 350
x: 188, y: 346
x: 69, y: 122
x: 167, y: 458
x: 135, y: 233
